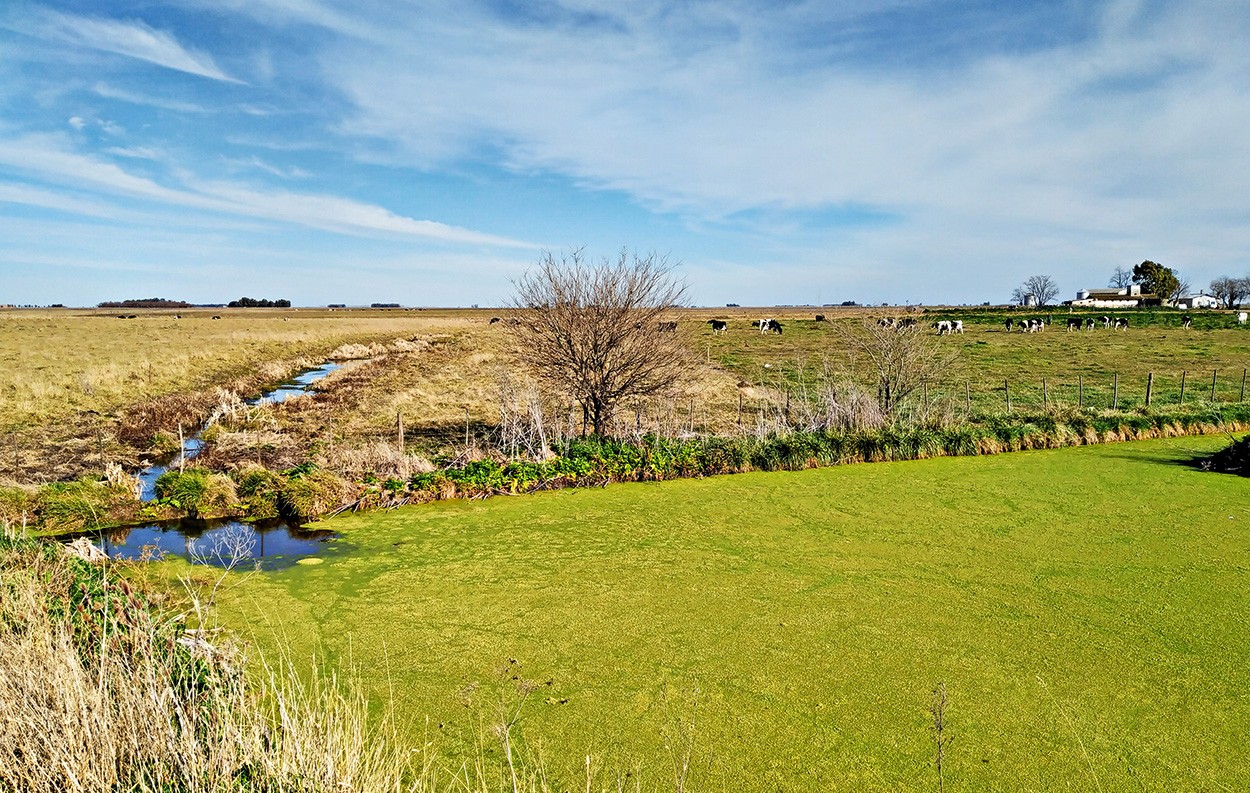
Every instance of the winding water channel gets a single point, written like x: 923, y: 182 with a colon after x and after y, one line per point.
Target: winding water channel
x: 272, y: 544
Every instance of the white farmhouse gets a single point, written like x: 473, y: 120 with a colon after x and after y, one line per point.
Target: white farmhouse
x: 1125, y: 297
x: 1200, y: 300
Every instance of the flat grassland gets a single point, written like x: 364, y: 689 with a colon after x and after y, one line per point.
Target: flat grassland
x: 73, y: 380
x: 54, y: 364
x: 1084, y: 608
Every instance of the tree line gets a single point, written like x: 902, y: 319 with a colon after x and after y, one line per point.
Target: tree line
x: 249, y: 302
x: 1165, y: 283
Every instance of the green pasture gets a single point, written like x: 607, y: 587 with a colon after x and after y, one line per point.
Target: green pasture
x: 1081, y: 367
x: 1085, y: 609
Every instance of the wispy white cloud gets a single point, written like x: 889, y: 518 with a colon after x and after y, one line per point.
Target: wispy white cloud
x: 12, y: 193
x: 135, y: 98
x: 293, y: 172
x: 45, y: 158
x: 131, y: 38
x: 136, y: 152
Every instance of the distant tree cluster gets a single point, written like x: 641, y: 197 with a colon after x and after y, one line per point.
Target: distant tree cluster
x: 1231, y: 291
x: 384, y: 305
x: 251, y: 302
x: 145, y: 302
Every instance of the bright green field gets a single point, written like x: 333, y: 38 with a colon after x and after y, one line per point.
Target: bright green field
x: 1086, y: 608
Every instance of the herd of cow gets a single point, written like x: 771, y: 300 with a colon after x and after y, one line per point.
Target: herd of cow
x: 942, y: 326
x: 765, y: 325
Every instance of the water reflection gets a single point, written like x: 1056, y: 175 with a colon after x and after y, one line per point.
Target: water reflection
x: 223, y: 543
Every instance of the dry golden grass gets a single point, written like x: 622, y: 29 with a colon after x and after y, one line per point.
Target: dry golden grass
x: 80, y: 388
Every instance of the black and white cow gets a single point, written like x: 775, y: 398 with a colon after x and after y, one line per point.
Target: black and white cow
x: 820, y: 317
x: 1121, y: 323
x: 1074, y: 323
x: 1105, y: 320
x: 1089, y: 323
x: 1187, y: 322
x: 775, y: 326
x: 764, y: 325
x: 1008, y: 324
x: 719, y: 325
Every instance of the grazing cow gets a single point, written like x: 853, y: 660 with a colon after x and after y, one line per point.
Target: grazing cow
x: 1241, y: 318
x: 177, y: 316
x: 666, y: 327
x: 943, y: 326
x: 775, y: 326
x: 1121, y: 323
x: 1074, y: 323
x: 1008, y: 324
x: 493, y: 320
x: 957, y: 326
x: 820, y: 317
x: 216, y: 316
x: 131, y: 316
x: 887, y: 322
x: 1187, y: 322
x: 908, y: 323
x: 1105, y: 320
x: 719, y: 325
x: 1089, y: 323
x: 765, y: 325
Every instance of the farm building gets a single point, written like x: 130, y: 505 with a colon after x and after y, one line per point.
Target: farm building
x: 1125, y: 297
x: 1198, y: 301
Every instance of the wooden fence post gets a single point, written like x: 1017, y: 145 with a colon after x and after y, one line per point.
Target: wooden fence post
x: 1007, y: 391
x: 399, y: 427
x: 1115, y: 391
x: 967, y: 397
x: 1044, y: 397
x: 1242, y: 398
x: 1150, y: 384
x: 1080, y: 391
x: 1182, y: 388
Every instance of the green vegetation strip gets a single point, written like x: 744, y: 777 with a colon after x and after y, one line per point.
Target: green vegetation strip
x: 1083, y: 607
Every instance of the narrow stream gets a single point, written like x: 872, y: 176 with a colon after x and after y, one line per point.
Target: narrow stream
x: 224, y: 543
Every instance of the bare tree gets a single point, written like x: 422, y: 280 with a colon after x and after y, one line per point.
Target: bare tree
x: 1121, y: 278
x: 593, y: 332
x: 1180, y: 289
x: 901, y: 358
x: 1231, y: 291
x: 1041, y: 288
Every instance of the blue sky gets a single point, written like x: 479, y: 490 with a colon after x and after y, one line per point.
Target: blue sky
x: 785, y: 152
